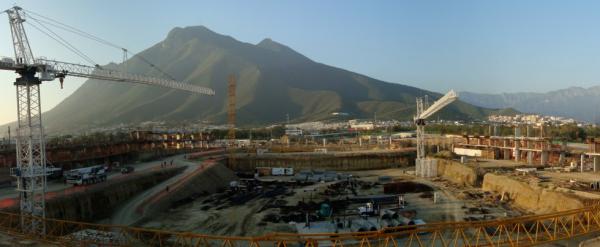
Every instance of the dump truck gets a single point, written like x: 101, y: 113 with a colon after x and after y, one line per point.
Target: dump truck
x: 86, y: 175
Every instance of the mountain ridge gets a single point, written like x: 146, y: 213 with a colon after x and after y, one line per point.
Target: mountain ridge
x: 572, y: 102
x: 273, y: 80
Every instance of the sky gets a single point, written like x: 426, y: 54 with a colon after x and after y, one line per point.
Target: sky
x: 478, y: 46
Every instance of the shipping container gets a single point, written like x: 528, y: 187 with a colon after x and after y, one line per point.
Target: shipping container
x: 289, y: 171
x: 278, y: 171
x: 263, y: 171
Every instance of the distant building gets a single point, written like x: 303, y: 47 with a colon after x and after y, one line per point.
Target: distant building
x: 340, y: 114
x: 533, y: 119
x: 293, y: 132
x: 404, y: 135
x: 363, y: 126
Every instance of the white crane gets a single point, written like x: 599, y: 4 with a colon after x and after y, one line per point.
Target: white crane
x: 31, y: 161
x: 420, y: 118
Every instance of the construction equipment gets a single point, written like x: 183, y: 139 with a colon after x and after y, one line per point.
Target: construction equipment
x: 86, y: 175
x: 528, y: 230
x: 31, y: 161
x: 422, y: 115
x: 231, y: 119
x: 231, y: 107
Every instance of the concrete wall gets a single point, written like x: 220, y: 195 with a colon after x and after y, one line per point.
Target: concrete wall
x: 98, y: 201
x: 5, y: 178
x: 530, y: 197
x: 206, y: 181
x: 460, y: 173
x: 340, y: 161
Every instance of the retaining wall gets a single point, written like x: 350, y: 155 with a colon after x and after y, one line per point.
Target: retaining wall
x: 529, y: 197
x: 97, y: 201
x: 460, y: 173
x: 213, y: 178
x: 337, y: 161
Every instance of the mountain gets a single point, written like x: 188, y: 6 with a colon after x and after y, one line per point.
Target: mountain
x: 574, y: 102
x: 273, y: 80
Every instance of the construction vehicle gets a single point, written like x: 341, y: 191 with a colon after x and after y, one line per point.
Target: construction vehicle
x: 53, y: 172
x: 367, y: 210
x: 30, y: 172
x: 87, y: 175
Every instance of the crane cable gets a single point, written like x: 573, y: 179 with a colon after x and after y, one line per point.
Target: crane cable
x: 84, y: 34
x: 65, y: 44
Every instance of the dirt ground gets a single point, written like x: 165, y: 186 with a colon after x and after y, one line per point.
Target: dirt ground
x: 8, y: 241
x: 218, y: 214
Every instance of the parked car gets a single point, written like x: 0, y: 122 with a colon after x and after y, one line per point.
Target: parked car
x: 127, y: 169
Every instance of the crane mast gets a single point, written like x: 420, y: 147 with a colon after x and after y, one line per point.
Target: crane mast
x: 30, y: 171
x: 31, y: 160
x: 421, y: 163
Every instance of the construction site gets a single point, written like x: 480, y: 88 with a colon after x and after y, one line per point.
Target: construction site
x: 189, y: 188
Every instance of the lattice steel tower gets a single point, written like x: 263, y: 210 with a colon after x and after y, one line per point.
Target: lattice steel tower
x: 30, y: 172
x: 31, y: 160
x: 231, y: 107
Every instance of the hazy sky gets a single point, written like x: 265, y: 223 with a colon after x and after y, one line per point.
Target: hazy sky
x: 481, y: 46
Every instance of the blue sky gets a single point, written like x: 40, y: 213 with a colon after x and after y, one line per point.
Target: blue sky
x: 481, y: 46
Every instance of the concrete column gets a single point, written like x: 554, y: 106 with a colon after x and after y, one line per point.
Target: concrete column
x: 360, y: 142
x: 582, y: 161
x: 561, y: 158
x: 517, y: 151
x: 596, y: 164
x: 544, y: 158
x: 506, y: 154
x: 324, y: 142
x: 530, y: 157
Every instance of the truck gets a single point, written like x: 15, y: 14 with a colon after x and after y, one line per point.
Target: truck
x: 86, y: 175
x: 53, y: 172
x: 367, y: 210
x: 278, y: 171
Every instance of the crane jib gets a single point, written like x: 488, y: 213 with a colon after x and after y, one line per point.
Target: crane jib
x: 31, y: 171
x: 61, y: 69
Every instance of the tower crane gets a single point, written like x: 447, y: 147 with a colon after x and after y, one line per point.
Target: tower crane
x: 422, y: 115
x: 30, y: 146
